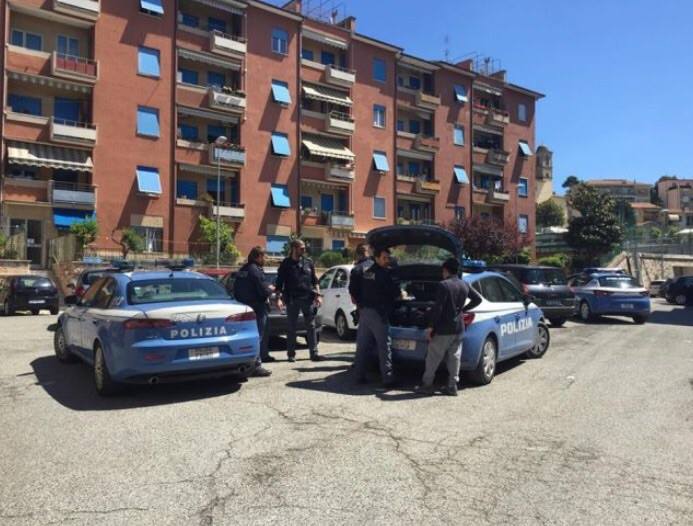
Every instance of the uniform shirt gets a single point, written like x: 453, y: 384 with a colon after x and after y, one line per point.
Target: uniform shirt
x: 375, y: 287
x: 451, y: 295
x: 297, y: 279
x: 250, y: 286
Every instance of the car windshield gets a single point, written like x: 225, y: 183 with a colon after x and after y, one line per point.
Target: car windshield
x: 540, y: 276
x: 178, y: 289
x: 91, y: 277
x: 421, y: 254
x: 618, y: 282
x: 34, y: 282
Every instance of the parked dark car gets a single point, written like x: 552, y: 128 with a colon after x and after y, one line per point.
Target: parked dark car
x: 548, y: 288
x: 28, y: 293
x: 680, y: 291
x: 87, y: 277
x: 278, y: 321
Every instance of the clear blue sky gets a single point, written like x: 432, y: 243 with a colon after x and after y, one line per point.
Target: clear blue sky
x: 617, y: 74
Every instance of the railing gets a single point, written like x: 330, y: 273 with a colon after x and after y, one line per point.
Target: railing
x: 427, y: 142
x: 67, y: 130
x: 427, y: 186
x: 75, y: 193
x: 498, y: 117
x: 226, y: 98
x: 72, y: 65
x: 87, y: 8
x: 340, y: 122
x: 223, y: 42
x: 340, y: 172
x: 497, y: 157
x: 341, y: 116
x: 227, y: 209
x: 340, y: 220
x: 339, y: 75
x: 426, y: 99
x: 496, y: 195
x: 236, y: 38
x: 227, y: 154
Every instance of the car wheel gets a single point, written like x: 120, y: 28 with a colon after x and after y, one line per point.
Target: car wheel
x: 54, y: 310
x: 105, y: 385
x: 680, y: 299
x: 35, y: 312
x: 557, y: 322
x: 62, y: 353
x: 543, y: 342
x: 486, y: 368
x: 7, y: 309
x: 585, y: 312
x: 640, y: 319
x: 342, y: 326
x: 669, y: 299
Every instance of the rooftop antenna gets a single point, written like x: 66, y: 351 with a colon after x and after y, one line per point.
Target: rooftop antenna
x: 447, y: 48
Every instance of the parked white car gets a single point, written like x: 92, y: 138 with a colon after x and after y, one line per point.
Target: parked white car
x: 337, y: 309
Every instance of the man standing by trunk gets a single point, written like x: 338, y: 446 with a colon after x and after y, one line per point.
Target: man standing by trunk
x: 251, y: 287
x: 298, y: 284
x: 446, y: 327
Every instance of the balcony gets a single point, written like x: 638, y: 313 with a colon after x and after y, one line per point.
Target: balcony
x: 424, y: 186
x: 341, y: 221
x: 338, y: 122
x: 72, y: 194
x: 74, y: 68
x: 426, y: 100
x: 73, y: 132
x: 226, y: 99
x: 340, y: 172
x: 498, y: 196
x: 89, y: 9
x: 340, y: 76
x: 497, y: 157
x: 497, y: 117
x: 225, y: 44
x: 231, y: 211
x: 427, y: 144
x: 229, y: 155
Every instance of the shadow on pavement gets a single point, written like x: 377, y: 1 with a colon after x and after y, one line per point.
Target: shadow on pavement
x: 72, y: 386
x: 682, y: 316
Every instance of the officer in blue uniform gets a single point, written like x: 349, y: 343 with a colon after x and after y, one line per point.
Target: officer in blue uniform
x: 374, y: 289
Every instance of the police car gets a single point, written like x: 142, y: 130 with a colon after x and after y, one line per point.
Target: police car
x: 156, y: 326
x: 610, y: 293
x: 506, y: 324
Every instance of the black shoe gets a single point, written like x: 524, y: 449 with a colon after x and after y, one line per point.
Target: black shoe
x: 424, y: 389
x: 292, y: 359
x: 449, y: 390
x: 261, y: 371
x: 268, y: 359
x: 316, y: 358
x: 362, y: 380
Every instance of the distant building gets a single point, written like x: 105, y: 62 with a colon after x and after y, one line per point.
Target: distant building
x: 622, y: 189
x: 677, y: 199
x: 544, y: 174
x: 646, y: 213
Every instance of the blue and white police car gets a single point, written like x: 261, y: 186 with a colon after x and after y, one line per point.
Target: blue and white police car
x: 610, y: 293
x: 506, y: 324
x: 156, y: 326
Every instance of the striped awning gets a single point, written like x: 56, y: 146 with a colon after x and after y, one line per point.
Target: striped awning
x: 324, y: 94
x: 326, y: 147
x: 49, y: 156
x: 222, y: 5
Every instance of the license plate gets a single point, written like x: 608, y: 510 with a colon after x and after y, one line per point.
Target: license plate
x: 404, y: 345
x: 35, y: 302
x: 203, y: 353
x: 627, y: 306
x: 553, y: 303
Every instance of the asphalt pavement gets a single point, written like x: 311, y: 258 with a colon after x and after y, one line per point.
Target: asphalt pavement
x: 599, y: 431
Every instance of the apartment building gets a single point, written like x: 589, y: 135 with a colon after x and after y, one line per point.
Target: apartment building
x: 151, y: 113
x: 677, y: 199
x: 623, y: 189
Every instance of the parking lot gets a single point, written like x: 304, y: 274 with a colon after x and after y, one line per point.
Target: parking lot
x: 599, y: 431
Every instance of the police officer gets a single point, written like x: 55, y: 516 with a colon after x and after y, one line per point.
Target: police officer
x: 446, y: 326
x: 298, y: 284
x: 374, y: 289
x: 251, y: 287
x: 361, y: 254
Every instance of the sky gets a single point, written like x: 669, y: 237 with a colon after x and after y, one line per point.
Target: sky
x: 616, y: 73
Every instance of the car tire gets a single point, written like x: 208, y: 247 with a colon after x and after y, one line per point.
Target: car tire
x: 669, y: 299
x: 680, y: 299
x: 486, y: 368
x: 342, y: 327
x: 543, y: 341
x: 62, y: 353
x: 7, y: 309
x: 54, y: 310
x: 35, y: 312
x: 640, y: 320
x: 557, y: 322
x: 585, y: 312
x: 105, y: 385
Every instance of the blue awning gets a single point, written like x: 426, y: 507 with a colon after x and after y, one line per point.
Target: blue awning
x: 153, y: 6
x: 280, y: 196
x: 148, y: 181
x: 461, y: 175
x: 380, y: 161
x: 460, y: 93
x: 280, y: 145
x: 66, y: 217
x: 525, y: 149
x: 280, y: 92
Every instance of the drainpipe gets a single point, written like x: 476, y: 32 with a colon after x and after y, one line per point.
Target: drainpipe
x: 471, y: 149
x: 394, y: 141
x: 3, y: 17
x: 174, y: 134
x: 299, y: 228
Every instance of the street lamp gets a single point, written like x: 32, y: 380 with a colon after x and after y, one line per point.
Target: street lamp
x: 220, y: 141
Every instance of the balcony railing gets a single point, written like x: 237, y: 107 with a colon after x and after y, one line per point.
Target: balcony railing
x: 497, y: 157
x: 497, y: 117
x: 426, y: 100
x: 427, y: 186
x: 227, y: 210
x: 83, y: 8
x: 227, y: 155
x: 226, y: 99
x: 340, y: 220
x: 341, y: 76
x: 227, y: 44
x: 74, y: 68
x: 72, y: 132
x: 340, y: 172
x: 498, y: 196
x: 426, y: 143
x: 72, y: 193
x: 339, y: 122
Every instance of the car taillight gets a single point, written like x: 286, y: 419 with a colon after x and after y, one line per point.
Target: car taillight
x: 602, y: 293
x: 79, y: 291
x: 468, y: 318
x: 245, y: 316
x: 147, y: 323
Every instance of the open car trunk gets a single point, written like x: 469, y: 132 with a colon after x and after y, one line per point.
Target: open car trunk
x: 418, y: 283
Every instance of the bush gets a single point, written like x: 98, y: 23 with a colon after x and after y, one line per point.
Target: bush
x: 85, y: 232
x: 331, y: 258
x: 557, y: 260
x: 131, y: 241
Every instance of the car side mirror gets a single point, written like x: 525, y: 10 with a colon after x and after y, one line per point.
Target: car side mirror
x: 71, y: 300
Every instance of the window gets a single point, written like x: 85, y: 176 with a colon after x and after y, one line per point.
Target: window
x: 24, y: 104
x: 154, y: 242
x: 27, y: 39
x: 147, y: 121
x: 211, y: 188
x: 280, y: 144
x: 19, y: 172
x: 379, y: 207
x: 492, y: 291
x: 66, y: 111
x: 414, y: 127
x: 414, y: 169
x: 280, y: 92
x: 380, y: 162
x: 189, y: 20
x: 214, y: 24
x: 307, y: 54
x: 459, y: 135
x: 379, y: 116
x: 460, y: 175
x: 306, y: 202
x: 338, y: 244
x: 188, y: 76
x: 400, y: 125
x: 105, y: 295
x: 67, y: 46
x: 523, y: 187
x: 522, y: 112
x: 460, y: 213
x: 216, y: 79
x: 460, y: 93
x: 510, y: 292
x: 186, y: 189
x: 280, y: 196
x: 152, y: 7
x: 326, y: 279
x: 525, y: 150
x: 340, y: 278
x: 148, y: 62
x: 214, y: 131
x: 327, y: 58
x: 280, y: 41
x: 414, y: 82
x: 148, y: 181
x: 523, y: 224
x: 189, y: 132
x: 379, y: 70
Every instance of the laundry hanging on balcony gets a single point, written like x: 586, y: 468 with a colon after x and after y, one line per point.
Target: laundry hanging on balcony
x: 45, y: 156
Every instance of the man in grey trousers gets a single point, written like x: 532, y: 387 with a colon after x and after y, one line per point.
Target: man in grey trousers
x: 446, y: 327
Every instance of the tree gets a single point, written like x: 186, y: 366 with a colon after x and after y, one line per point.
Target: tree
x: 625, y: 213
x: 597, y: 230
x: 571, y: 181
x: 85, y: 231
x: 229, y: 254
x: 130, y: 241
x: 550, y: 213
x: 490, y: 239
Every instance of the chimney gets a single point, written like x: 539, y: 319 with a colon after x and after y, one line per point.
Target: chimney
x: 466, y: 64
x: 293, y: 5
x: 348, y: 23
